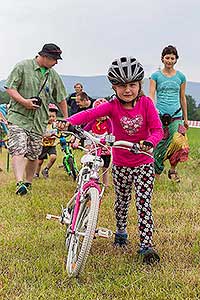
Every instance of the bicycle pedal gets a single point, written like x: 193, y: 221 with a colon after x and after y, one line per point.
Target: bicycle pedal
x: 62, y: 219
x: 52, y: 217
x: 103, y: 232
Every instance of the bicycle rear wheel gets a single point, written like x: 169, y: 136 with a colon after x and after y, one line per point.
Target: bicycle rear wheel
x: 72, y: 168
x: 79, y: 243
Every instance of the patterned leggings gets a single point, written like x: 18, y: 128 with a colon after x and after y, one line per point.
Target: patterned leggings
x: 143, y: 179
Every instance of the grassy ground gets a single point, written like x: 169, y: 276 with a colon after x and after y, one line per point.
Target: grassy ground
x: 32, y: 249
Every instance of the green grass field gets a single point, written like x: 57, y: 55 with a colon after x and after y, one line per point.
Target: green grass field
x: 32, y: 249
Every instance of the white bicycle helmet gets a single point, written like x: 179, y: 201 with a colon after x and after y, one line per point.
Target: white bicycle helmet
x: 124, y: 70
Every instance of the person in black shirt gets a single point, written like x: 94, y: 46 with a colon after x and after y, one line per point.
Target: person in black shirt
x: 83, y: 101
x: 71, y: 101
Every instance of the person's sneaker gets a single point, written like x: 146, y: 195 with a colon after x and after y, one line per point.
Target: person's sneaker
x: 45, y: 173
x: 36, y: 175
x: 121, y: 240
x: 28, y: 185
x: 149, y: 256
x: 21, y: 189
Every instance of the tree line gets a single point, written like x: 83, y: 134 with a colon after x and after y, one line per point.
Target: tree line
x: 193, y: 108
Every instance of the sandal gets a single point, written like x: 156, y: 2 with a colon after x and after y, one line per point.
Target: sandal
x: 173, y: 175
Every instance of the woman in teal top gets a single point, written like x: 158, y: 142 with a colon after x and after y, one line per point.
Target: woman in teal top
x: 169, y: 86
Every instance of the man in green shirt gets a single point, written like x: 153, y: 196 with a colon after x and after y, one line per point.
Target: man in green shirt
x: 31, y: 85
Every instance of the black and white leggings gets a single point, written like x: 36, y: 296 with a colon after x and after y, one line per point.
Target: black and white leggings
x: 143, y: 179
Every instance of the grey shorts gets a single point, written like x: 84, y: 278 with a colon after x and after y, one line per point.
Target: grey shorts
x: 23, y: 142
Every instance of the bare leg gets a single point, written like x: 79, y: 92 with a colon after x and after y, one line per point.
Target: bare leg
x: 39, y: 165
x: 1, y: 165
x: 18, y: 164
x: 172, y: 174
x: 30, y: 169
x: 52, y: 159
x: 173, y: 168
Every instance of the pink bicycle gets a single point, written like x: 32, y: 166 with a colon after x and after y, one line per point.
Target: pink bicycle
x: 81, y: 213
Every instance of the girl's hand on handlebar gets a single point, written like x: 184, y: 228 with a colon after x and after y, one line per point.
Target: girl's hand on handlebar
x: 186, y: 124
x: 145, y: 145
x: 62, y: 124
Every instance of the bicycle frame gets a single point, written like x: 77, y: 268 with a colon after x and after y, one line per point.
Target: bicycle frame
x: 65, y: 146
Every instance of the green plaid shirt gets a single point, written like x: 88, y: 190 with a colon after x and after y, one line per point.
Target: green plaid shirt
x: 26, y: 78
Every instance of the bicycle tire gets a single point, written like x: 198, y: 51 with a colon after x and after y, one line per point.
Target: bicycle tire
x: 72, y: 168
x: 79, y: 246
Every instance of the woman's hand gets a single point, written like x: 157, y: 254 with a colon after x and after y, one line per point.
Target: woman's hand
x: 186, y: 125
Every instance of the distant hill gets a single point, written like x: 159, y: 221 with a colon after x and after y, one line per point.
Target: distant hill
x: 98, y: 86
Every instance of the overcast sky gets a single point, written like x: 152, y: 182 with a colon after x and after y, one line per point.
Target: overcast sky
x: 91, y: 33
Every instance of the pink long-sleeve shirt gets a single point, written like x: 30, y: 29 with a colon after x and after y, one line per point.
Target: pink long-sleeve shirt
x: 133, y: 125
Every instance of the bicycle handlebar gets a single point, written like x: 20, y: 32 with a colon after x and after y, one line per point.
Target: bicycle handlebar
x: 130, y: 146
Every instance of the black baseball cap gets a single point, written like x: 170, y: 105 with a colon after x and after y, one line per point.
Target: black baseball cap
x: 51, y: 50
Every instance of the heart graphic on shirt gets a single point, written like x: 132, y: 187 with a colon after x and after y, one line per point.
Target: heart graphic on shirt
x: 131, y: 125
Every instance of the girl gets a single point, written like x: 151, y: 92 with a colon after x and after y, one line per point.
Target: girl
x: 134, y: 119
x: 169, y: 86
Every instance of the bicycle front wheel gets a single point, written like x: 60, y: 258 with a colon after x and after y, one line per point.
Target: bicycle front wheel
x: 79, y: 243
